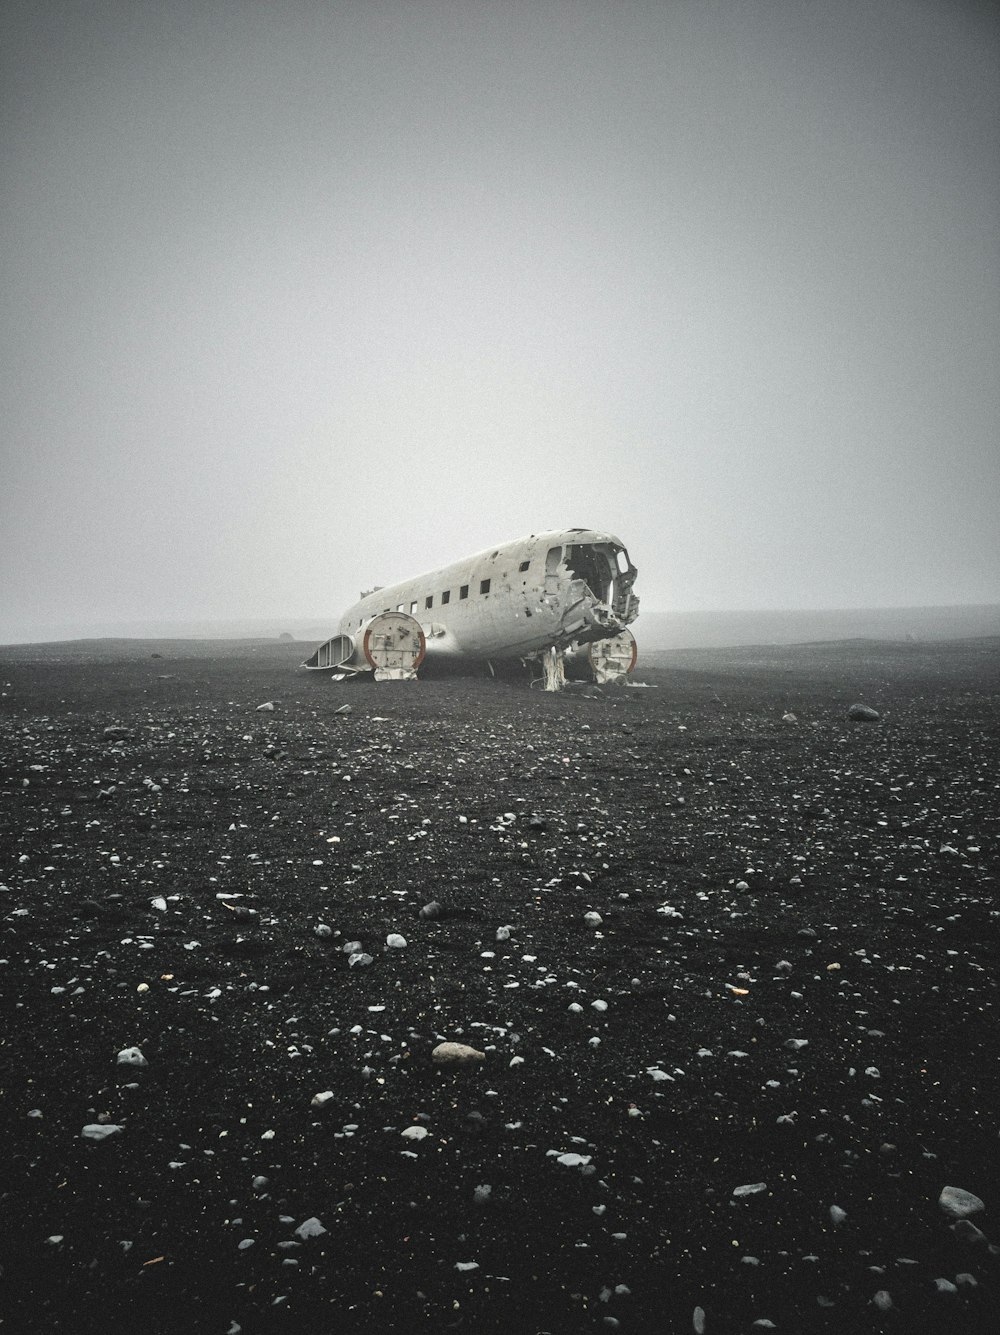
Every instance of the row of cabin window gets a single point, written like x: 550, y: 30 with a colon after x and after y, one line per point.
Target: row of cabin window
x: 484, y: 587
x: 463, y: 592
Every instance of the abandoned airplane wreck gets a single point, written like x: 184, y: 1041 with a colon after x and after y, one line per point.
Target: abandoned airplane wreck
x: 548, y: 598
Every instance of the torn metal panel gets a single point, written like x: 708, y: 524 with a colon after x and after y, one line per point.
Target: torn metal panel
x: 336, y: 653
x: 611, y: 660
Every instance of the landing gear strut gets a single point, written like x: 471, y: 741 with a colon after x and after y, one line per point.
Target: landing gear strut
x: 553, y: 669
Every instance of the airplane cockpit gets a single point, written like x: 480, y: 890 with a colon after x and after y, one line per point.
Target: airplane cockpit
x: 605, y: 569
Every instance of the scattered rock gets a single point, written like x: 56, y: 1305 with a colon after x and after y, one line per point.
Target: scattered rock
x: 571, y: 1159
x: 456, y: 1054
x: 395, y: 942
x: 310, y: 1228
x: 959, y: 1204
x: 750, y: 1189
x: 863, y: 714
x: 267, y: 707
x: 100, y: 1130
x: 131, y: 1057
x: 430, y: 911
x: 967, y: 1231
x: 593, y: 919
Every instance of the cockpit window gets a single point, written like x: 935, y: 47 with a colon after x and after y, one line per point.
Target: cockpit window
x: 591, y: 564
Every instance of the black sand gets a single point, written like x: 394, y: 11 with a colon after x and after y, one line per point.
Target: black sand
x: 759, y: 881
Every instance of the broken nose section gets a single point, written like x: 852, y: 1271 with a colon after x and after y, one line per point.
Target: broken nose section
x: 585, y: 617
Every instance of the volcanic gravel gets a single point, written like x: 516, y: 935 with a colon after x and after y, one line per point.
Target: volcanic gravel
x: 728, y: 958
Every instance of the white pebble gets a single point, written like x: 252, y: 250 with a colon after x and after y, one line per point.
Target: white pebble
x: 572, y: 1160
x: 959, y: 1204
x: 131, y: 1057
x: 100, y: 1130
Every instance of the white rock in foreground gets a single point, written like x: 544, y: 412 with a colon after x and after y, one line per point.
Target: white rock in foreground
x: 959, y: 1204
x: 100, y: 1130
x: 750, y: 1189
x: 310, y: 1228
x: 570, y: 1160
x: 395, y: 942
x: 456, y: 1054
x: 322, y: 1098
x: 415, y: 1133
x: 131, y: 1057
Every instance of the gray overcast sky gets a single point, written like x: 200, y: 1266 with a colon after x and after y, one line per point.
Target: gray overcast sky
x: 302, y: 296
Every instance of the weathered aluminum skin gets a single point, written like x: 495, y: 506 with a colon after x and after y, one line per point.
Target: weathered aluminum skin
x: 574, y: 588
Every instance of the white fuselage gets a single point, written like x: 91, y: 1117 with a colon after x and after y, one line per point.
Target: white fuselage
x: 549, y: 590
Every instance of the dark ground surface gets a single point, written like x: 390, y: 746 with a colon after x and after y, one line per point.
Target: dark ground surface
x: 868, y: 857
